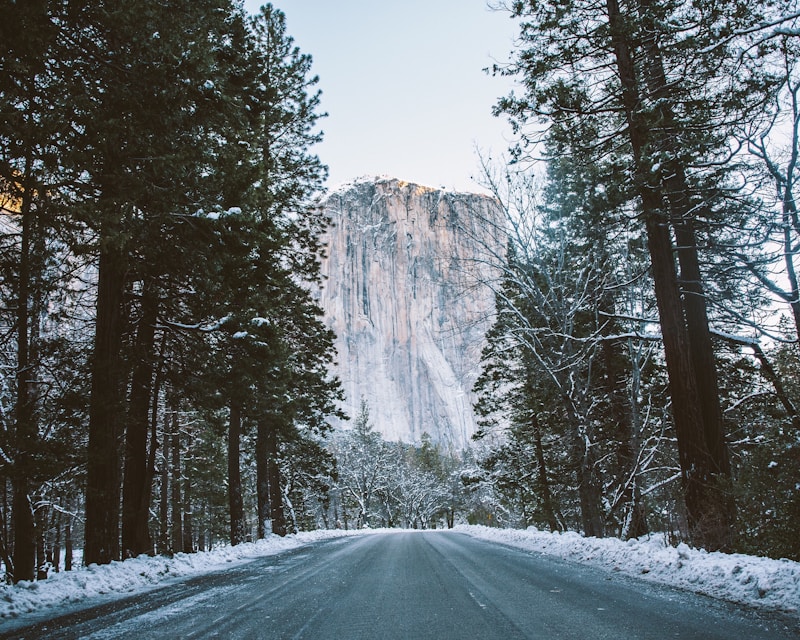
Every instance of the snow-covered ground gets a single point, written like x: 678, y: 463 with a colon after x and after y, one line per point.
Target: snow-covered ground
x: 762, y: 583
x: 139, y: 574
x: 758, y: 582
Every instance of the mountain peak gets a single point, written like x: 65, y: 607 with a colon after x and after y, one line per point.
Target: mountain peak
x: 391, y: 182
x: 403, y: 295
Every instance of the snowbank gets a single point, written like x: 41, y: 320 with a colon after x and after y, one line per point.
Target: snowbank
x: 758, y: 582
x: 138, y: 574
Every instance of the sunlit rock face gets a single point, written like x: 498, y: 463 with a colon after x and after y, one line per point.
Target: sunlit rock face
x: 405, y: 293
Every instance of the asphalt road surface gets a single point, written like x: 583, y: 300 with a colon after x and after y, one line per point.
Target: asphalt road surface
x: 412, y: 585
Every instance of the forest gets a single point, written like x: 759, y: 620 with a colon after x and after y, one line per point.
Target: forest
x: 166, y: 373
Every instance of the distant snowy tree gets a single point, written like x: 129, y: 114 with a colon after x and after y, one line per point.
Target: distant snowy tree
x: 362, y: 461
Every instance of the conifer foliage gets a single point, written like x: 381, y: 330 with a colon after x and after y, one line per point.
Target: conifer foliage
x: 648, y: 265
x: 159, y: 244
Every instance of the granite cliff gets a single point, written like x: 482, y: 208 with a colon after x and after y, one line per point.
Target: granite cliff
x: 403, y: 293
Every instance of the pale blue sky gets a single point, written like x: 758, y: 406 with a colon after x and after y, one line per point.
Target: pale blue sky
x: 404, y: 86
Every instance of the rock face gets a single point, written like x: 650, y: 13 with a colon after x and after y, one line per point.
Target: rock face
x: 403, y: 293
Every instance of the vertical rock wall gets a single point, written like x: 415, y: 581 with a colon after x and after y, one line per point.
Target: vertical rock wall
x: 403, y: 293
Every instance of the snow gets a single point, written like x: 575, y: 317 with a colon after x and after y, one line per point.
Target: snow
x: 139, y: 574
x: 762, y: 583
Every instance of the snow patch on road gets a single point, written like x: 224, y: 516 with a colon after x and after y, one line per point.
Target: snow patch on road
x: 762, y: 583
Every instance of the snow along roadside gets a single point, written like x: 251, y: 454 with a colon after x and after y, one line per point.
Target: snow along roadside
x: 758, y: 582
x: 764, y: 583
x: 142, y: 573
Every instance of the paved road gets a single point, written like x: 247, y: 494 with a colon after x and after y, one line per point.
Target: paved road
x: 413, y: 585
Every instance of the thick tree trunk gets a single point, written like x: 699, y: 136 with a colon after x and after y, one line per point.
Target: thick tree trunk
x: 26, y: 430
x: 682, y: 218
x: 106, y: 406
x: 24, y: 567
x: 707, y: 513
x: 235, y: 503
x: 135, y: 508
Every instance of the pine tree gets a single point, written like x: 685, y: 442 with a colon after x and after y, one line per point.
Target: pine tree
x: 151, y: 136
x: 667, y: 97
x: 34, y: 132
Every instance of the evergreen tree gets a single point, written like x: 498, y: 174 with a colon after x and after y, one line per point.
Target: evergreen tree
x: 668, y: 97
x: 35, y: 133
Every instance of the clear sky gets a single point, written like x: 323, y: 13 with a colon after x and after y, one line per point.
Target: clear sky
x: 404, y: 86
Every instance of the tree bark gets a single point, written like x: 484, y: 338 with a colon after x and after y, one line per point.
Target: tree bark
x: 262, y: 476
x: 55, y: 552
x: 188, y: 532
x: 102, y: 543
x: 275, y: 495
x: 41, y: 546
x: 544, y: 483
x: 708, y: 519
x: 589, y: 491
x: 25, y: 426
x: 682, y: 218
x: 68, y: 537
x: 135, y: 507
x: 235, y: 502
x: 163, y: 504
x: 175, y: 485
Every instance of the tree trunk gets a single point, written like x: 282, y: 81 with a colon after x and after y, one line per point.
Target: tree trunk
x: 682, y: 218
x: 135, y: 507
x: 41, y: 546
x: 589, y: 492
x: 6, y: 543
x: 163, y: 506
x: 25, y: 427
x: 143, y: 531
x: 235, y: 502
x: 635, y: 519
x: 188, y: 533
x: 24, y: 567
x: 68, y: 537
x: 147, y: 495
x: 275, y: 494
x: 262, y: 476
x: 58, y: 516
x: 106, y: 405
x: 709, y: 526
x: 175, y: 485
x: 543, y: 481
